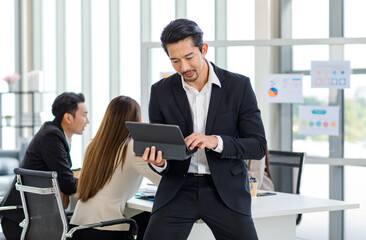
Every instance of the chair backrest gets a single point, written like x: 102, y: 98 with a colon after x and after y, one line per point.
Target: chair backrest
x: 286, y: 169
x: 45, y: 217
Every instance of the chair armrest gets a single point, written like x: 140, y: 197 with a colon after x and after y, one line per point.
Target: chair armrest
x: 133, y: 226
x: 69, y: 212
x: 6, y: 208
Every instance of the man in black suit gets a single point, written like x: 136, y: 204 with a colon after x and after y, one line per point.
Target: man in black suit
x: 49, y: 150
x: 217, y: 112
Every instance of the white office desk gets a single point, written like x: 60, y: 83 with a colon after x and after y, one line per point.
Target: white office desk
x: 274, y: 216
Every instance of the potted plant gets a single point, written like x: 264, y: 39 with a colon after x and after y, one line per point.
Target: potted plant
x: 8, y: 120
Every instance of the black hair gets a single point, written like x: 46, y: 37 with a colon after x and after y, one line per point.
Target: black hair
x: 180, y: 29
x: 67, y: 102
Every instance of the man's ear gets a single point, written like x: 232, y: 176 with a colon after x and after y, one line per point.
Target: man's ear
x: 204, y: 49
x: 67, y: 118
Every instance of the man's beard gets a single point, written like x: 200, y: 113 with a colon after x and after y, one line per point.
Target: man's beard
x: 190, y: 80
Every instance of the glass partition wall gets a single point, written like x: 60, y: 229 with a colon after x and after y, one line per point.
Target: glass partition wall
x: 9, y: 64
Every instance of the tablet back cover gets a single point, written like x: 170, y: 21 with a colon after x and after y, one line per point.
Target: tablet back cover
x: 167, y: 138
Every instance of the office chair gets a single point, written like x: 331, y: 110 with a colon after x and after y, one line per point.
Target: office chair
x: 286, y: 169
x: 45, y: 217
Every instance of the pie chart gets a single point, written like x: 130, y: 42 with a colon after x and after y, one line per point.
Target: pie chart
x: 273, y: 92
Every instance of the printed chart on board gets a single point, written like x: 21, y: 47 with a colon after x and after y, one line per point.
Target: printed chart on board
x: 317, y: 120
x: 165, y: 74
x: 283, y: 88
x: 330, y: 74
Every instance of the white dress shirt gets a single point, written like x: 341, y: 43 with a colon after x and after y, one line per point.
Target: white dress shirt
x: 199, y: 102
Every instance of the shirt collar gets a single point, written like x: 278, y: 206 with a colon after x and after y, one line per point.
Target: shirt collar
x: 212, y: 77
x: 68, y: 140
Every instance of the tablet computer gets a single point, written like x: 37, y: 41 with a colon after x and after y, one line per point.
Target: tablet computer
x: 166, y: 138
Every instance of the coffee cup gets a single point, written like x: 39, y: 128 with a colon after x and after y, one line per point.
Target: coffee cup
x: 253, y: 186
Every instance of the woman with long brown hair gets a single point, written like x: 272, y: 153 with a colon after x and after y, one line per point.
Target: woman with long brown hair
x: 111, y: 174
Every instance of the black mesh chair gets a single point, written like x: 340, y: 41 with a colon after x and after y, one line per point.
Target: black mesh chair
x: 286, y: 169
x: 45, y: 217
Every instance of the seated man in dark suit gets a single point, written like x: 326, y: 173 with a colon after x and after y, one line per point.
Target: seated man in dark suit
x: 49, y: 150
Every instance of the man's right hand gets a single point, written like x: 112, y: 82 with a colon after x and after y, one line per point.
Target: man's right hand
x: 151, y: 157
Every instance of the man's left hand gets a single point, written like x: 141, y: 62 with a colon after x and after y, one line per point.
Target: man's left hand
x: 201, y: 141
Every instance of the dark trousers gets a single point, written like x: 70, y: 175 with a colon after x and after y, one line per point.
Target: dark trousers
x: 95, y: 234
x: 11, y: 229
x: 198, y: 199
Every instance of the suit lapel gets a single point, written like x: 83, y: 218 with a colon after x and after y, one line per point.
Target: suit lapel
x: 215, y: 100
x: 183, y: 104
x: 216, y: 95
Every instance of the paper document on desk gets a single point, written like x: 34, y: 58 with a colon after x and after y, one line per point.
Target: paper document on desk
x: 146, y: 193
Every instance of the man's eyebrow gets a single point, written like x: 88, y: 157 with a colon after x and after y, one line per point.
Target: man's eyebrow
x: 187, y: 55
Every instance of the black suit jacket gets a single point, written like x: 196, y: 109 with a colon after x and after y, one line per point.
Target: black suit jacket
x: 48, y: 151
x: 234, y: 115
